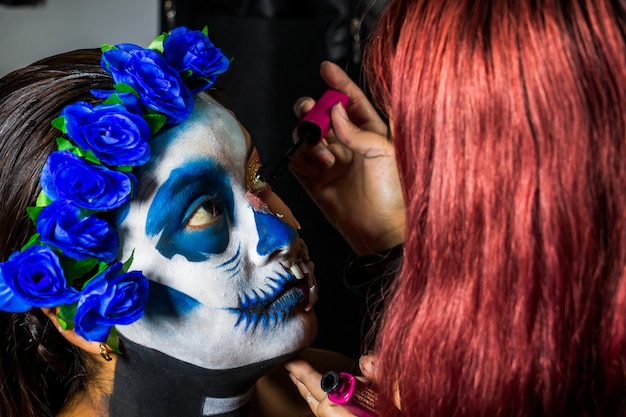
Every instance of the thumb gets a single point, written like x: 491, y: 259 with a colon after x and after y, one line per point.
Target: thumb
x: 368, y: 365
x: 359, y: 141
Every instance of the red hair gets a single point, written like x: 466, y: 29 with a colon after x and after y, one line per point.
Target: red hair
x: 509, y: 123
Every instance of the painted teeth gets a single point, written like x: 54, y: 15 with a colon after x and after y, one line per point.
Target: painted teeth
x: 296, y: 271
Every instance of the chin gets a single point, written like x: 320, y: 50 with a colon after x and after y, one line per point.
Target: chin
x: 291, y: 337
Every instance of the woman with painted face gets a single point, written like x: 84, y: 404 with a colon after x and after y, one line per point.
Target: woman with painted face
x: 508, y: 132
x: 147, y: 268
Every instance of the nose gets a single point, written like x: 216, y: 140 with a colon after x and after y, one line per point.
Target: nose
x: 276, y: 205
x: 275, y: 223
x: 274, y: 234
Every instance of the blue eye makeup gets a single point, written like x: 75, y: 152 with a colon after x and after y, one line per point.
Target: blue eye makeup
x: 192, y: 210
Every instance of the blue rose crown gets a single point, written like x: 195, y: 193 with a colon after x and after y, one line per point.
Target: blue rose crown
x: 71, y: 261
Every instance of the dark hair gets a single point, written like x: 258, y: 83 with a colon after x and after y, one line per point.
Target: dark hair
x: 39, y: 369
x: 510, y: 131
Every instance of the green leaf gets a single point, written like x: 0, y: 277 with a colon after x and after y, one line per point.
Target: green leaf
x: 186, y: 74
x: 60, y: 123
x: 129, y: 261
x: 157, y: 43
x: 205, y: 30
x: 106, y: 47
x: 76, y: 269
x: 155, y: 120
x: 113, y: 99
x: 89, y: 156
x: 33, y: 240
x: 125, y: 168
x: 66, y: 316
x: 101, y: 267
x: 33, y: 213
x: 113, y: 341
x: 43, y: 200
x: 64, y: 144
x: 125, y: 88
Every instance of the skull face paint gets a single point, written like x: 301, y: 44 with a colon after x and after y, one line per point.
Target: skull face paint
x: 230, y: 282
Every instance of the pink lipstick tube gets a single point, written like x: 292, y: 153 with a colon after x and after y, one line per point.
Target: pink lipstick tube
x: 316, y: 123
x: 350, y: 392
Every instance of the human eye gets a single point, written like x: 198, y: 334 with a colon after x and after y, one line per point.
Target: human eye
x: 204, y: 214
x: 255, y: 181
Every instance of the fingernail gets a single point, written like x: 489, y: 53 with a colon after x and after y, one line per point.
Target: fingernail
x: 297, y: 106
x: 293, y: 378
x: 342, y: 111
x: 366, y: 362
x: 327, y: 158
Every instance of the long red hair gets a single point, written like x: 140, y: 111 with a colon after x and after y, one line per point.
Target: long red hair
x: 509, y: 122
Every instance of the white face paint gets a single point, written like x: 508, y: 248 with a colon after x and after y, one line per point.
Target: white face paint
x: 230, y: 281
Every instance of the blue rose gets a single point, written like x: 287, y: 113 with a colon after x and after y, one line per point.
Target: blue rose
x: 159, y: 86
x: 62, y: 226
x: 109, y: 299
x: 66, y: 176
x: 34, y: 278
x: 191, y: 51
x: 114, y: 135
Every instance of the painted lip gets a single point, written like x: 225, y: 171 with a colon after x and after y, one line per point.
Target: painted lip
x: 274, y: 304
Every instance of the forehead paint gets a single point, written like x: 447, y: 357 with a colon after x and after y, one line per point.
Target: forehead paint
x: 188, y: 188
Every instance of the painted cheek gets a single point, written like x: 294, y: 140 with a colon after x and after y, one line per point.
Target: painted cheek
x: 274, y: 235
x: 196, y: 246
x: 164, y: 301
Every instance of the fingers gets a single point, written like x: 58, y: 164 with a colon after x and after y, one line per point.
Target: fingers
x: 308, y: 382
x: 345, y: 139
x: 359, y: 107
x: 307, y: 377
x: 367, y: 364
x: 302, y: 106
x: 356, y: 139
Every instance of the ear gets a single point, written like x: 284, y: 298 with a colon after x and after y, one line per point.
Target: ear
x: 71, y: 336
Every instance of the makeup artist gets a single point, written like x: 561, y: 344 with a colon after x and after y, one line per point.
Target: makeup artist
x: 498, y: 187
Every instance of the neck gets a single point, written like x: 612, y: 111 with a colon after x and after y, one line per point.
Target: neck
x: 148, y: 382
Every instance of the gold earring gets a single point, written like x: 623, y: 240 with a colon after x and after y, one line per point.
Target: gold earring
x: 103, y: 352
